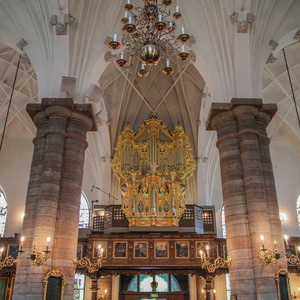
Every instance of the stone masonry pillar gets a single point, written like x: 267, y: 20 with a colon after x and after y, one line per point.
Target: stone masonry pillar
x: 53, y: 197
x: 249, y: 195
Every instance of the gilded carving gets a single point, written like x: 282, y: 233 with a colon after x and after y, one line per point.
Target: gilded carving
x: 153, y: 166
x: 57, y: 274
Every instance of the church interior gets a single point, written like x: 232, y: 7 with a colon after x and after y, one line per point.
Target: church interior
x: 150, y: 149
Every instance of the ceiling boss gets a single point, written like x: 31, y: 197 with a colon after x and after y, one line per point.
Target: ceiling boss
x: 153, y: 166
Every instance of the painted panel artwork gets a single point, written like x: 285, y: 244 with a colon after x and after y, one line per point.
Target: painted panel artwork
x: 182, y: 249
x: 120, y: 249
x: 161, y: 250
x: 140, y: 249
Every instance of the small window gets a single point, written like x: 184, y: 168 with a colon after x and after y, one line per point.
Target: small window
x: 298, y: 211
x: 228, y: 288
x: 146, y: 280
x: 3, y: 213
x: 79, y: 286
x: 223, y: 221
x: 133, y: 285
x: 175, y: 286
x: 84, y: 213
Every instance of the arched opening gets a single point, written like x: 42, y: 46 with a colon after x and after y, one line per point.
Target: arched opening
x: 84, y: 212
x: 3, y: 212
x: 298, y: 211
x: 142, y: 283
x: 223, y: 221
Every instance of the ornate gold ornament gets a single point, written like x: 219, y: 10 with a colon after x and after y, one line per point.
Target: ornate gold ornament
x: 281, y: 273
x: 153, y: 166
x: 150, y: 34
x: 272, y: 256
x: 87, y: 264
x: 38, y: 258
x: 8, y: 262
x: 57, y: 274
x: 218, y: 263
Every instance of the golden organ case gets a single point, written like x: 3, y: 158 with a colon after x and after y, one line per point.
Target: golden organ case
x: 153, y: 166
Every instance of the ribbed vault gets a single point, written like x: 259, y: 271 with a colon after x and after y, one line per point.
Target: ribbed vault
x: 176, y: 97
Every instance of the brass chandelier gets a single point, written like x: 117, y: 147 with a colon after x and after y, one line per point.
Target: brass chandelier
x: 153, y: 166
x: 149, y: 33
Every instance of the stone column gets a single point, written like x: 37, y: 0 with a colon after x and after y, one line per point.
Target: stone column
x: 94, y: 288
x: 58, y: 157
x: 209, y: 287
x: 115, y: 286
x: 247, y: 212
x: 193, y: 286
x: 39, y: 141
x: 66, y: 234
x: 263, y: 119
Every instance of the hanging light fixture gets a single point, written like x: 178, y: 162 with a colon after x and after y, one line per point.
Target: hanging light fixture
x: 149, y: 33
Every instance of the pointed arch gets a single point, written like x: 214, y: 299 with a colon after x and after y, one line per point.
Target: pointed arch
x: 84, y: 212
x: 298, y: 211
x: 3, y: 212
x: 223, y: 221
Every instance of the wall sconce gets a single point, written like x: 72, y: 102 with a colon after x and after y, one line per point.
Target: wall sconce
x: 100, y: 295
x: 272, y: 256
x: 87, y: 264
x: 7, y: 262
x: 283, y: 217
x: 22, y: 215
x: 212, y: 266
x: 38, y: 258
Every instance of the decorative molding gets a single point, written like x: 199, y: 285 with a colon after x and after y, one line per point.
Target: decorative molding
x: 273, y: 44
x: 22, y: 44
x: 57, y: 274
x: 271, y: 59
x: 297, y: 35
x: 61, y: 28
x: 242, y: 20
x: 25, y: 59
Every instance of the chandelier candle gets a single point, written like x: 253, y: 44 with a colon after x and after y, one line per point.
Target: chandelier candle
x: 149, y: 34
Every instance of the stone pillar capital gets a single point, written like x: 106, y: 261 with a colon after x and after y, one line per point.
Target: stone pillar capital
x: 66, y: 108
x: 239, y: 107
x: 218, y: 119
x: 244, y: 110
x: 264, y: 117
x: 58, y: 111
x: 84, y: 119
x: 39, y: 117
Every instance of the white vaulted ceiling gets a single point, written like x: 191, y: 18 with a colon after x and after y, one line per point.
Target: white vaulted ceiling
x: 25, y: 88
x: 277, y: 88
x: 175, y: 98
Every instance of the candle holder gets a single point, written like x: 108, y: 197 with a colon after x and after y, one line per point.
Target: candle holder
x: 177, y: 15
x: 124, y: 20
x: 7, y: 262
x: 160, y: 26
x: 114, y: 45
x: 219, y: 262
x: 272, y: 256
x: 100, y: 295
x: 167, y: 2
x: 183, y: 38
x: 168, y: 70
x: 38, y: 258
x: 87, y: 264
x: 211, y: 265
x: 128, y: 7
x: 183, y: 56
